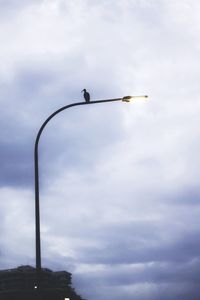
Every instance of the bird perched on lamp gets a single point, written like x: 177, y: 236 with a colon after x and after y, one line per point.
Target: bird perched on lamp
x: 86, y: 95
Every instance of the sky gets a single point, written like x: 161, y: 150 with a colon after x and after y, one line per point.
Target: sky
x: 119, y: 182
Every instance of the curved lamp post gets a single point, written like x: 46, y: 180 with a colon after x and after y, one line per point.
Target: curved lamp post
x: 36, y: 165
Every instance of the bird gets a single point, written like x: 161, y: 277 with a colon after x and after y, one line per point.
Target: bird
x: 86, y: 95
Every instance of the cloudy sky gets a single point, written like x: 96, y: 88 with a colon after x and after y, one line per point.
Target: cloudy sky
x: 120, y: 201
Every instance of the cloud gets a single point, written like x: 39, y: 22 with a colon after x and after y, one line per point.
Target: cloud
x: 119, y: 182
x: 17, y: 207
x: 147, y: 281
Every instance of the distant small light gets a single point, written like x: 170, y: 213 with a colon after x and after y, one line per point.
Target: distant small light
x: 35, y: 287
x: 67, y: 299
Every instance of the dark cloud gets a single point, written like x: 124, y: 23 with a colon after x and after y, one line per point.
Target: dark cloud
x: 16, y: 165
x: 150, y: 281
x: 141, y: 243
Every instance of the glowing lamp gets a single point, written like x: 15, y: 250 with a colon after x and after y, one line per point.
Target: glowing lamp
x: 132, y: 98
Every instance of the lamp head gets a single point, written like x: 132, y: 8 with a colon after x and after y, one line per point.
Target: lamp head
x: 131, y: 98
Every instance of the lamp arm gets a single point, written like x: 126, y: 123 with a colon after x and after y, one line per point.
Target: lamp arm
x: 36, y: 170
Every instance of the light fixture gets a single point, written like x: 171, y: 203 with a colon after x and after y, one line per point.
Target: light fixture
x: 131, y: 98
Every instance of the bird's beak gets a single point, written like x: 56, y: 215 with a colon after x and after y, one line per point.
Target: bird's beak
x: 82, y: 91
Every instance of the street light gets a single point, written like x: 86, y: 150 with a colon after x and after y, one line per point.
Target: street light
x: 36, y: 167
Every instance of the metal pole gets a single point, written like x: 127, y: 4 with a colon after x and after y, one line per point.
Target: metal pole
x: 36, y: 165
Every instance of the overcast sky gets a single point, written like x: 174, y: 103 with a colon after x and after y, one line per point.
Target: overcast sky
x: 120, y: 197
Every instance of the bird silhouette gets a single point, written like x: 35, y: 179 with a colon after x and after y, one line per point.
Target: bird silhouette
x: 86, y: 95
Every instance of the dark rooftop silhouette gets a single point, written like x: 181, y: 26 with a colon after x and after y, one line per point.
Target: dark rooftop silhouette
x: 20, y: 284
